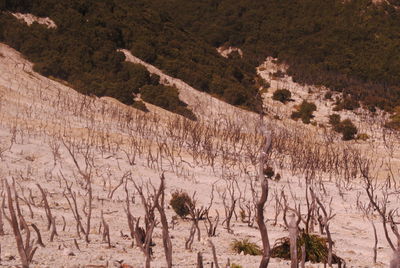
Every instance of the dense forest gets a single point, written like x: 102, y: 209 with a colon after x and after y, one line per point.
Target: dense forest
x: 349, y: 46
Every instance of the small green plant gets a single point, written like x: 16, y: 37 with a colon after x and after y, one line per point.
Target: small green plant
x: 282, y: 95
x: 180, y: 203
x: 234, y: 265
x: 248, y: 248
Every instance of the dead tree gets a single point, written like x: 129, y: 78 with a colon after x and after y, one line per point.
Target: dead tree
x: 380, y: 206
x: 327, y: 216
x: 143, y: 236
x: 1, y: 219
x: 229, y: 200
x: 160, y: 205
x: 130, y: 218
x: 199, y: 260
x: 53, y: 229
x: 196, y: 214
x: 368, y: 213
x: 73, y: 205
x: 26, y: 249
x: 211, y: 225
x: 39, y: 236
x: 86, y: 174
x: 265, y: 148
x: 106, y: 230
x: 214, y: 252
x: 46, y: 206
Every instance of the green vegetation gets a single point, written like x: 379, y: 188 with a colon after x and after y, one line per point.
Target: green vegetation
x: 140, y: 106
x: 345, y: 127
x: 180, y: 203
x: 282, y: 95
x: 82, y: 50
x: 234, y: 265
x: 167, y: 98
x: 394, y: 122
x: 305, y: 112
x: 316, y: 248
x: 348, y: 46
x: 248, y: 248
x: 334, y: 119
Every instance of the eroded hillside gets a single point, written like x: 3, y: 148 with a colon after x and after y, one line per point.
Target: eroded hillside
x: 57, y: 138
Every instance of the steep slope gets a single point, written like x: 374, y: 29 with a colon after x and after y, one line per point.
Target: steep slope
x: 40, y: 119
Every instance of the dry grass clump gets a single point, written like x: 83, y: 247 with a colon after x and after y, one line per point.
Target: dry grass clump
x: 181, y: 203
x: 248, y: 248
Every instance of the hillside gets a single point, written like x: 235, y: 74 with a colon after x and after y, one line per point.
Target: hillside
x: 42, y: 119
x: 212, y: 133
x: 349, y: 47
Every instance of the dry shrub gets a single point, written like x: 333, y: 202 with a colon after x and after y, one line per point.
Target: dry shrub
x: 181, y: 202
x: 248, y: 248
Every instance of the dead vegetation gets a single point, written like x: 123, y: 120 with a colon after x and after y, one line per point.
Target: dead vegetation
x: 110, y: 171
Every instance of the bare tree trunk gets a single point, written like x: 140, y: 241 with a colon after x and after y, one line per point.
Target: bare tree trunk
x: 293, y: 241
x: 303, y: 256
x: 199, y: 260
x: 214, y: 253
x: 89, y: 214
x: 46, y: 206
x: 164, y: 222
x: 39, y: 236
x: 395, y: 262
x: 376, y: 241
x: 1, y: 222
x: 53, y: 229
x: 264, y: 196
x: 25, y: 250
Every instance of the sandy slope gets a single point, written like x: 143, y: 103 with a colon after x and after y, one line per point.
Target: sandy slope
x: 35, y: 113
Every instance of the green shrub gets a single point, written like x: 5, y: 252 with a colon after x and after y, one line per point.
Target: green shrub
x: 394, y: 122
x: 316, y: 248
x: 140, y: 106
x: 282, y: 95
x: 248, y: 248
x: 304, y: 112
x: 234, y: 265
x: 180, y: 203
x: 347, y: 128
x: 167, y: 98
x: 334, y: 119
